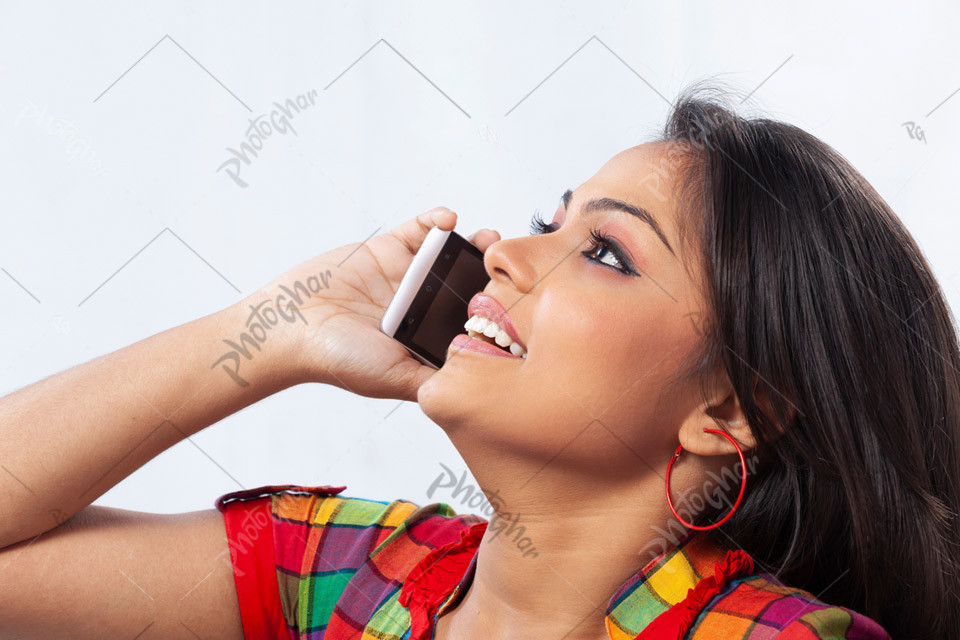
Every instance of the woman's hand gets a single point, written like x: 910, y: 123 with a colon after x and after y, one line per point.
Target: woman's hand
x: 333, y: 333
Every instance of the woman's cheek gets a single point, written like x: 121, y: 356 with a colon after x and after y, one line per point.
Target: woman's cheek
x: 590, y: 361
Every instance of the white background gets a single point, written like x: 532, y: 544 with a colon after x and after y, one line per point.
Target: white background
x: 492, y: 109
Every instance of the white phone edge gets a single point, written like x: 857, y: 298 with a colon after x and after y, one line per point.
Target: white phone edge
x: 410, y: 283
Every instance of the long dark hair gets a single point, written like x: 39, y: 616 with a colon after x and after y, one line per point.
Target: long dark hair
x: 841, y: 349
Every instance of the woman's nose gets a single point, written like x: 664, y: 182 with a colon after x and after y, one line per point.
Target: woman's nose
x: 510, y: 261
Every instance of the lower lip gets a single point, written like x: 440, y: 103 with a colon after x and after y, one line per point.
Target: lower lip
x: 463, y: 341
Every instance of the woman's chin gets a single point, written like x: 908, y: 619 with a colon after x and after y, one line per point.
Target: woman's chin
x: 441, y: 401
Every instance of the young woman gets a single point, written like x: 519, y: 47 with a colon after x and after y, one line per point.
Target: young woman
x: 732, y: 289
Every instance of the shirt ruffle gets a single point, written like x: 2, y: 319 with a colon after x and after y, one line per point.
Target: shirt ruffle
x: 431, y: 580
x: 674, y: 623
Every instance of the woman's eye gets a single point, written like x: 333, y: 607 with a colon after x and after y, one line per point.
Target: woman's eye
x: 538, y: 226
x: 605, y: 251
x: 605, y: 256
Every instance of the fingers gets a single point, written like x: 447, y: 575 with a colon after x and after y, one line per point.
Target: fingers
x: 412, y: 232
x: 411, y: 375
x: 483, y: 238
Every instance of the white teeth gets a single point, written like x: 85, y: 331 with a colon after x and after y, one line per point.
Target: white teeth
x: 478, y: 325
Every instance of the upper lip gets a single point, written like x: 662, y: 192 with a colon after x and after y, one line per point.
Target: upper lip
x: 490, y: 308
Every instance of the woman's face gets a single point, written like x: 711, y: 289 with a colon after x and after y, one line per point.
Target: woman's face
x: 603, y: 331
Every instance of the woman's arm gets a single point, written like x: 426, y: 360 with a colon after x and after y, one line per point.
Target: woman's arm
x: 114, y: 573
x: 67, y: 439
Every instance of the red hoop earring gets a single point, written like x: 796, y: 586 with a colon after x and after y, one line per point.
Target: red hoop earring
x: 743, y: 483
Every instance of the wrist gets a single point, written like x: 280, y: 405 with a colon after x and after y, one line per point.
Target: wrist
x: 259, y: 343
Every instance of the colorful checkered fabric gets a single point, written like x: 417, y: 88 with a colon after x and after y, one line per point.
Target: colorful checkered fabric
x: 342, y: 562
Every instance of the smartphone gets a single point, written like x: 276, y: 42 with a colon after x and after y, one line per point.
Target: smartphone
x: 430, y: 305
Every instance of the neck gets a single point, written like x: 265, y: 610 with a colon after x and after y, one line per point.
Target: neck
x: 557, y: 548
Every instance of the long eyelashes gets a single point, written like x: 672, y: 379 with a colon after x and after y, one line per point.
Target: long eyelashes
x: 538, y: 226
x: 602, y: 244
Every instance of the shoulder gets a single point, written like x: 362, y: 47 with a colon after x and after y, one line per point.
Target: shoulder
x: 343, y: 557
x: 760, y: 606
x: 351, y: 528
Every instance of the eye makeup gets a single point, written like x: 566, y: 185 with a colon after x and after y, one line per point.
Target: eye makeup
x: 603, y: 246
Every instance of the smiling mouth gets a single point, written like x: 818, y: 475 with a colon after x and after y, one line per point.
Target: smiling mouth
x: 480, y: 345
x: 487, y: 330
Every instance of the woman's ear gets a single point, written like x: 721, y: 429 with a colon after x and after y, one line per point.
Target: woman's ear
x: 722, y: 406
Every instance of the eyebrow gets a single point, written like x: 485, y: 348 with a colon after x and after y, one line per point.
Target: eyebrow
x: 619, y: 205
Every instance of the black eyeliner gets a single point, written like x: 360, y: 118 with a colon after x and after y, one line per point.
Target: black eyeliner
x: 601, y: 240
x: 539, y: 226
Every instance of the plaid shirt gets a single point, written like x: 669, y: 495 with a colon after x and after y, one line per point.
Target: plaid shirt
x: 367, y: 570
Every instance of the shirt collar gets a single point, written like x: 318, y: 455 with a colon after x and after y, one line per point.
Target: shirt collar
x: 439, y: 581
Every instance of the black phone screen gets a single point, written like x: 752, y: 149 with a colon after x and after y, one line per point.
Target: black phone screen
x: 439, y: 309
